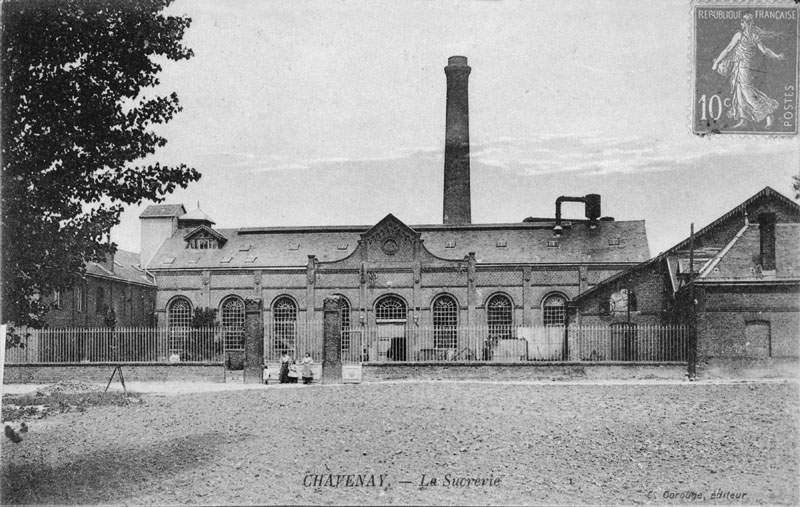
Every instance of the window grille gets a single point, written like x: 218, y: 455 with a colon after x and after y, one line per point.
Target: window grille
x: 179, y: 318
x: 445, y: 322
x: 499, y: 317
x: 345, y: 323
x: 233, y: 323
x: 284, y: 324
x: 554, y: 310
x: 390, y: 308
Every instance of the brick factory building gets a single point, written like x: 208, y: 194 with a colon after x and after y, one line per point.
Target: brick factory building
x: 538, y: 273
x: 390, y: 273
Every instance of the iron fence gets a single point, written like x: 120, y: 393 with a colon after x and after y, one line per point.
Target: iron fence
x: 129, y: 345
x: 294, y: 338
x: 393, y: 341
x: 411, y: 343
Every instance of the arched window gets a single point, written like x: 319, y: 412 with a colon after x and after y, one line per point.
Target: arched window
x: 233, y: 323
x: 284, y: 324
x: 390, y: 308
x: 179, y: 313
x: 179, y: 319
x: 554, y: 310
x: 621, y: 302
x: 344, y: 309
x: 499, y: 316
x: 445, y: 322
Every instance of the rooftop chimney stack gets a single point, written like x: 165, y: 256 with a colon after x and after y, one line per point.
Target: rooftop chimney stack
x: 766, y: 227
x: 456, y: 147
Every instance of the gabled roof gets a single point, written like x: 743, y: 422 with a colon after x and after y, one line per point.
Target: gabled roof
x: 207, y: 230
x: 610, y: 242
x: 390, y: 222
x: 766, y: 192
x: 126, y: 269
x: 163, y: 211
x: 735, y: 263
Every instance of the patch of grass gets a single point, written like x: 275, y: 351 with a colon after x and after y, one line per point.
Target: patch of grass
x: 34, y: 406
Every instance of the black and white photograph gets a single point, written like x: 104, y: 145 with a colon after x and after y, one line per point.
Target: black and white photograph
x: 383, y: 252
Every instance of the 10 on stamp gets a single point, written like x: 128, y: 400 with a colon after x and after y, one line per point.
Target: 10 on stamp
x: 746, y: 68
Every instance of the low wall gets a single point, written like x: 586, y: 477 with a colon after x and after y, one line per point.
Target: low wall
x: 46, y: 373
x: 749, y: 368
x: 376, y: 372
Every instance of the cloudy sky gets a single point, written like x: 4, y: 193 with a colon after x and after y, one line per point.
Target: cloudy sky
x: 332, y: 112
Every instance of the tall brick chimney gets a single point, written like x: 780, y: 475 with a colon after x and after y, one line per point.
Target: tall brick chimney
x: 456, y: 144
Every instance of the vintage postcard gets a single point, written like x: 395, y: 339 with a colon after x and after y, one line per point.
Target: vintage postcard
x: 400, y: 252
x: 746, y: 68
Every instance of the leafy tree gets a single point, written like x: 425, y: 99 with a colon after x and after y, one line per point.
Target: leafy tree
x: 76, y: 125
x: 204, y: 317
x: 796, y: 186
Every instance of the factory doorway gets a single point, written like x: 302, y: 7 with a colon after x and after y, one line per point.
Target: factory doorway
x: 390, y: 319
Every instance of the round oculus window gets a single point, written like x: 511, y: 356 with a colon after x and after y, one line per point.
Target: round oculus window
x: 390, y: 247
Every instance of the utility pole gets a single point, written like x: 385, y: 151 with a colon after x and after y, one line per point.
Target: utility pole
x: 692, y: 359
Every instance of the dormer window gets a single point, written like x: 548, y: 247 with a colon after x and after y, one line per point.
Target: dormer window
x: 204, y: 238
x: 201, y: 243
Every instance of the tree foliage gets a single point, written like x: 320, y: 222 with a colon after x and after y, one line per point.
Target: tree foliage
x: 77, y: 123
x: 204, y: 317
x: 796, y: 186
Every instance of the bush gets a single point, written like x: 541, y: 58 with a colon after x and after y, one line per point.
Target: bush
x: 234, y: 360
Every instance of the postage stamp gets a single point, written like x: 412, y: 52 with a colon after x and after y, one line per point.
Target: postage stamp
x: 745, y: 68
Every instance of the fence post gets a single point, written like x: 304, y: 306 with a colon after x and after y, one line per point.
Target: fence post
x: 332, y: 341
x: 253, y: 342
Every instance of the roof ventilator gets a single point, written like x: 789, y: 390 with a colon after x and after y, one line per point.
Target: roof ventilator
x: 592, y: 202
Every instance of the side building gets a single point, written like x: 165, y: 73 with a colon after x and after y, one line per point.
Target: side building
x: 116, y: 291
x: 745, y: 269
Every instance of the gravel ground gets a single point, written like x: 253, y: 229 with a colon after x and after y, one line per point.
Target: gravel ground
x: 560, y: 444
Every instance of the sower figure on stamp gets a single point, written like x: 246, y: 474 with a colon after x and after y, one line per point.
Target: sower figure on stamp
x: 736, y: 62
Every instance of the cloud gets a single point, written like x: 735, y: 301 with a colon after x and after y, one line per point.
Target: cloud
x: 547, y: 153
x: 285, y: 162
x: 600, y: 154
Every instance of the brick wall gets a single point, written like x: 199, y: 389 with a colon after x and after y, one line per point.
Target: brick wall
x: 724, y: 314
x: 653, y: 298
x: 787, y: 246
x: 37, y: 374
x: 522, y: 372
x: 133, y: 305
